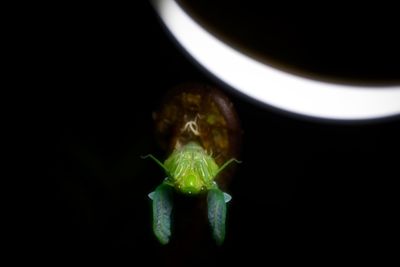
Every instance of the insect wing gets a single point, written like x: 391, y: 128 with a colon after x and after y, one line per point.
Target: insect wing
x: 162, y: 207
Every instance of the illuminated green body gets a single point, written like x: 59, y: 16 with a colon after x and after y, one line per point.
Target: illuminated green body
x: 190, y: 169
x: 199, y: 128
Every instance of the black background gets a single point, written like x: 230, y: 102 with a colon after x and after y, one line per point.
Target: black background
x: 306, y: 190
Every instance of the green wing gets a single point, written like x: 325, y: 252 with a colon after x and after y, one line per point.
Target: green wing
x: 216, y: 200
x: 162, y: 207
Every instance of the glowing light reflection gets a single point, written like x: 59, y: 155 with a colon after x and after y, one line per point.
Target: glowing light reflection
x: 275, y: 87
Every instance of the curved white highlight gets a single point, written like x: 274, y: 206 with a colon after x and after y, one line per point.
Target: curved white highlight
x: 273, y: 86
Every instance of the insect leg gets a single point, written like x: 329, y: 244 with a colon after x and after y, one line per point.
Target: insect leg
x: 157, y: 161
x: 226, y: 164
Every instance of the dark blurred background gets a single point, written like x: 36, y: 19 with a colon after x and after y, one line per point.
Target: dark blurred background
x: 305, y: 190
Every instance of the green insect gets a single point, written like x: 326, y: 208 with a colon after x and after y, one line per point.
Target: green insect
x: 200, y: 129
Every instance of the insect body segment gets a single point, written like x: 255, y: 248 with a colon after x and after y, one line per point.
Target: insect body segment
x: 191, y: 169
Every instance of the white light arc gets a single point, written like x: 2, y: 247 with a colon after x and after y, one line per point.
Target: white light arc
x: 272, y: 86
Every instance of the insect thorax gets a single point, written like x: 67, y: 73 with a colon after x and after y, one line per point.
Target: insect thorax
x: 191, y: 169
